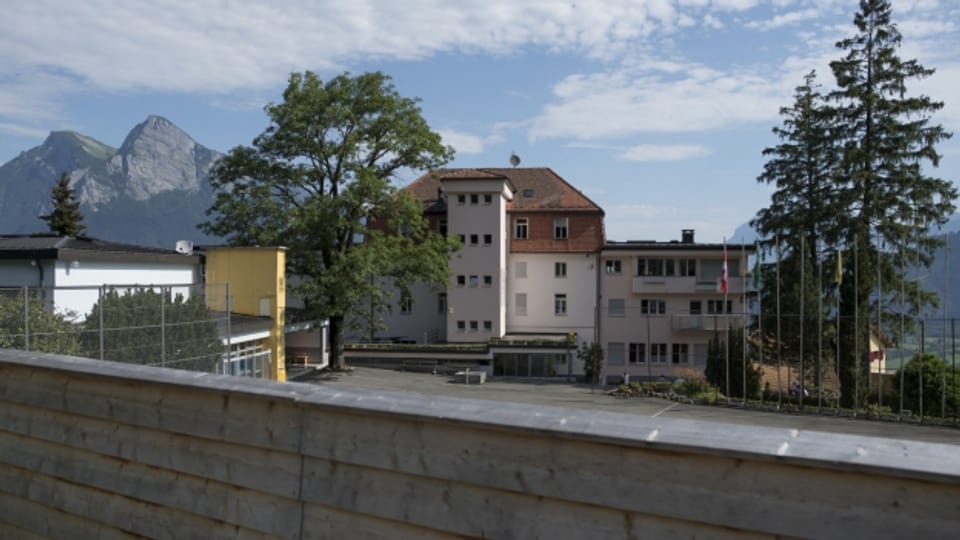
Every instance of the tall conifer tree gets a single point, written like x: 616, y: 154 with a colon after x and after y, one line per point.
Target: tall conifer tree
x: 65, y: 219
x: 887, y: 141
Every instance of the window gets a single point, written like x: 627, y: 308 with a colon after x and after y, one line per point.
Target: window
x: 688, y: 267
x: 442, y: 227
x: 473, y: 326
x: 658, y: 353
x: 461, y: 326
x: 650, y: 267
x: 487, y: 198
x: 520, y: 304
x: 487, y: 239
x: 461, y: 280
x: 715, y: 307
x: 668, y: 266
x: 615, y: 354
x: 461, y: 199
x: 474, y: 281
x: 442, y: 303
x: 487, y: 281
x: 653, y: 307
x: 527, y: 193
x: 560, y: 226
x: 681, y: 353
x: 474, y: 239
x: 559, y: 304
x: 615, y: 307
x: 406, y: 304
x: 520, y: 269
x: 474, y: 198
x: 560, y: 269
x: 696, y: 307
x: 613, y: 266
x: 488, y: 326
x: 520, y: 228
x: 638, y: 353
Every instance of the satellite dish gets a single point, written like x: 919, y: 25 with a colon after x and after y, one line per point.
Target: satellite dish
x: 184, y: 247
x: 514, y: 158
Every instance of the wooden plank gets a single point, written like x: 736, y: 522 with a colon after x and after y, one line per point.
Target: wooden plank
x: 114, y: 512
x: 161, y: 487
x: 45, y: 521
x: 264, y: 470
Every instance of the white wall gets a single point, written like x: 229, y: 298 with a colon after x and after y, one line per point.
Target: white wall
x: 541, y: 286
x: 93, y: 274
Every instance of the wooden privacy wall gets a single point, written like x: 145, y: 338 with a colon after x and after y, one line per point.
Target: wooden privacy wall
x: 92, y: 449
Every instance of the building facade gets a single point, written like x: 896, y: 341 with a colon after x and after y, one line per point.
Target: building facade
x: 662, y: 303
x: 536, y: 268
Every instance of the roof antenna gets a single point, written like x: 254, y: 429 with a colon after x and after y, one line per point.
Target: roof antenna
x: 514, y: 158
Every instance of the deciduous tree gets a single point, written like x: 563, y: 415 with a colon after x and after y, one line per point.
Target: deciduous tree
x: 318, y: 176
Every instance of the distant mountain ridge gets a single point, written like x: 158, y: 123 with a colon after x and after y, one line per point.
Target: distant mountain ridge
x: 153, y: 190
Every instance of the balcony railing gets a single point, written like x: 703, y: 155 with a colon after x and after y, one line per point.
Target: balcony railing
x: 683, y: 284
x: 708, y: 323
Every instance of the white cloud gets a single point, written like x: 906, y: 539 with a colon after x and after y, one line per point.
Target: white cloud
x: 784, y: 19
x: 664, y: 152
x: 22, y: 131
x: 463, y: 143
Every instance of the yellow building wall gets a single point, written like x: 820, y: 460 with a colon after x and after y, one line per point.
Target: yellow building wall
x: 257, y: 286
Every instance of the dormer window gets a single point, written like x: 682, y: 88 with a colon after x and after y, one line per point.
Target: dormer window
x: 560, y: 228
x: 528, y: 194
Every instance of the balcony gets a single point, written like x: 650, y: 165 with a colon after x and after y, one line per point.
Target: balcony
x: 683, y: 285
x: 706, y: 323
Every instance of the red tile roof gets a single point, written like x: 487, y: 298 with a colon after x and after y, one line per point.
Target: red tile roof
x: 546, y: 189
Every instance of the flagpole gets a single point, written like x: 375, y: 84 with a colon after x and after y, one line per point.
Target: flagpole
x: 880, y: 362
x: 743, y: 266
x: 756, y: 285
x: 819, y: 327
x: 856, y: 325
x: 839, y: 281
x: 779, y: 381
x: 803, y: 299
x: 724, y: 285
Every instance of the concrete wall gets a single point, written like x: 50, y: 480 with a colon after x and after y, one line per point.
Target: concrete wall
x: 98, y: 450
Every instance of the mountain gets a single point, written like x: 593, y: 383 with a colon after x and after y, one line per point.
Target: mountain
x: 151, y: 191
x: 940, y: 277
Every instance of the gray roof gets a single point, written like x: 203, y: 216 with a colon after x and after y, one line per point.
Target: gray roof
x: 53, y: 247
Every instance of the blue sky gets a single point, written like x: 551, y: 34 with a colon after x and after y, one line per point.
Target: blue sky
x: 658, y: 110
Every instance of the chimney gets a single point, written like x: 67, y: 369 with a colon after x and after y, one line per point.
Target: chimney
x: 686, y: 236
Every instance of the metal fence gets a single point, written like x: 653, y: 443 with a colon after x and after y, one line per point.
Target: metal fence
x: 185, y: 326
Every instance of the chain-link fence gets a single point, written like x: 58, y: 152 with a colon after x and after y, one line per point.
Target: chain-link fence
x: 175, y: 326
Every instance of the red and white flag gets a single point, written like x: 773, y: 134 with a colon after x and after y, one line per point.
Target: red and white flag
x: 724, y: 284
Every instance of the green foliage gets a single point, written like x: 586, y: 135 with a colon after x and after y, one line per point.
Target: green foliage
x: 135, y: 325
x: 939, y: 388
x: 65, y: 219
x: 592, y: 356
x: 318, y: 178
x: 716, y: 369
x: 850, y: 169
x: 49, y: 332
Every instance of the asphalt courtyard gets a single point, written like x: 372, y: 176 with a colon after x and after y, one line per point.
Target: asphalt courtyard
x: 563, y: 394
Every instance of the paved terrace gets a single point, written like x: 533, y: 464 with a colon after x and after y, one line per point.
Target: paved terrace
x: 563, y: 394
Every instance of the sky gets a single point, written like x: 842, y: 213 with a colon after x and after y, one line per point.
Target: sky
x: 658, y: 110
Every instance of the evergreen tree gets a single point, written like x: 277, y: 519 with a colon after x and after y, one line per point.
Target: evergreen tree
x: 314, y: 180
x: 887, y: 140
x: 137, y: 323
x: 799, y: 224
x: 592, y: 357
x: 716, y: 368
x: 940, y: 386
x: 65, y: 219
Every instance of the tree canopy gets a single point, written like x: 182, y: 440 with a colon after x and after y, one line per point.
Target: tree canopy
x: 316, y: 180
x: 853, y: 182
x: 48, y: 331
x: 65, y: 218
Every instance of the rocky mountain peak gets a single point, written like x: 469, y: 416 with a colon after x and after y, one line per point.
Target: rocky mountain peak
x: 158, y: 156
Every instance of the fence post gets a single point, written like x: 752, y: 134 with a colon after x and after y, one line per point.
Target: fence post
x: 163, y: 327
x: 228, y: 305
x: 26, y: 317
x: 102, y: 308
